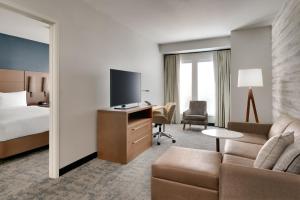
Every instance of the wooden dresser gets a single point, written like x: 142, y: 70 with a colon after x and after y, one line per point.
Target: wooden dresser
x: 124, y: 134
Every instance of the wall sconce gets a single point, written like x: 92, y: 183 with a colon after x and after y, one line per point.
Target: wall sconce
x: 45, y: 86
x: 30, y: 86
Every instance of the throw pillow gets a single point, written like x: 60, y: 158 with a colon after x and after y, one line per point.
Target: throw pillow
x: 289, y: 161
x: 272, y: 150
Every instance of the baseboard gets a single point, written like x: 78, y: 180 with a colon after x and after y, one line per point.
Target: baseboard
x: 77, y: 163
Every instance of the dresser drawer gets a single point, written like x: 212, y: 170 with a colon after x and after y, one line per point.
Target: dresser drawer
x: 136, y: 147
x: 139, y: 130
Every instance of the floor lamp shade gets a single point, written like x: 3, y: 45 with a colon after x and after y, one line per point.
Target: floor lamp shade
x: 250, y: 78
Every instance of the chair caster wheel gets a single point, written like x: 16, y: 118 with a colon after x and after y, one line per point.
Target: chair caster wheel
x: 154, y: 136
x: 158, y: 143
x: 174, y: 141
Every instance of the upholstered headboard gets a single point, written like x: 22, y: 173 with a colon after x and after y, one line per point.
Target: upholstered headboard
x: 35, y: 83
x: 11, y: 80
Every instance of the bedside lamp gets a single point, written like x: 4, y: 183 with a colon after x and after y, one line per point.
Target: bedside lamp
x: 250, y: 78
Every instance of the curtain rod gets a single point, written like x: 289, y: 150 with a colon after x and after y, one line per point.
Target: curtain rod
x: 197, y: 52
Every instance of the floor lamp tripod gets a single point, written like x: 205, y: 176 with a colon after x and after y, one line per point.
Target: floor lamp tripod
x: 250, y: 78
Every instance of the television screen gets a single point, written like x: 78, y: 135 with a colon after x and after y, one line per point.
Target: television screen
x: 125, y: 87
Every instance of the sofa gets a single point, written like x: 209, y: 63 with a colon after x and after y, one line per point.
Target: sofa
x: 183, y: 173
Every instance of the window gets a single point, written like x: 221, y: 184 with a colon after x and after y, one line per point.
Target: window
x: 206, y: 85
x: 185, y: 86
x: 197, y: 81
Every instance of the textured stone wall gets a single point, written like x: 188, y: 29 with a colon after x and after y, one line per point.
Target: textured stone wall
x: 286, y: 60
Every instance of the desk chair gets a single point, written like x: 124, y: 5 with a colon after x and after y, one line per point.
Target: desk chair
x: 160, y: 118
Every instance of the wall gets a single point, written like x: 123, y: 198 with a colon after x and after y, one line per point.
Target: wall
x: 91, y: 43
x: 286, y: 60
x: 251, y: 48
x: 23, y: 54
x: 196, y: 45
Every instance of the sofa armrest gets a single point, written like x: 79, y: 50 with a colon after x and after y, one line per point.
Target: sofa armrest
x: 239, y: 182
x: 262, y: 129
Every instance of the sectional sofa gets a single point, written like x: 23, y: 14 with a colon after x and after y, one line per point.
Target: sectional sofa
x: 182, y: 173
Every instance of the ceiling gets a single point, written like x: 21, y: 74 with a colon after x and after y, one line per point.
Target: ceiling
x: 165, y: 21
x: 12, y: 23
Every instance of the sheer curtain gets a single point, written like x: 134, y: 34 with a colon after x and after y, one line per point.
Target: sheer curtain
x: 171, y: 82
x: 222, y: 60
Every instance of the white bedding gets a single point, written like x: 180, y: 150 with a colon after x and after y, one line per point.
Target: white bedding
x: 22, y: 121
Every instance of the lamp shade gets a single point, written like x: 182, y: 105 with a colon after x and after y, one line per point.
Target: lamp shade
x: 250, y: 78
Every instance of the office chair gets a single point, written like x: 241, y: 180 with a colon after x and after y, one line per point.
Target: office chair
x: 162, y: 118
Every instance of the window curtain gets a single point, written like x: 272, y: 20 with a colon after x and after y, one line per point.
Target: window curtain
x: 222, y: 60
x: 171, y: 82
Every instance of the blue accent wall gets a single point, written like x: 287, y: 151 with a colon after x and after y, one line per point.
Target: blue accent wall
x: 22, y: 54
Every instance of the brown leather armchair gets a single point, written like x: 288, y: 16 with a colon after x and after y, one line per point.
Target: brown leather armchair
x: 160, y: 118
x: 196, y: 114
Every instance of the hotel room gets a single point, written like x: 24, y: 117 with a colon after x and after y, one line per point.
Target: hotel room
x: 150, y: 99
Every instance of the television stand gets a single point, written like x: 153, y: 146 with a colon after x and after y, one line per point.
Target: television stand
x: 123, y: 134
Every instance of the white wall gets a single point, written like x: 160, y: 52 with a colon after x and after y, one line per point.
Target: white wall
x: 251, y: 48
x: 91, y: 43
x: 196, y: 45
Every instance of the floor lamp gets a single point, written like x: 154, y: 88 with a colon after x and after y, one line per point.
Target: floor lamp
x: 250, y: 78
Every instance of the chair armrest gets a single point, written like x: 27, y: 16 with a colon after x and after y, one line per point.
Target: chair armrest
x: 262, y: 129
x: 187, y: 112
x: 239, y: 182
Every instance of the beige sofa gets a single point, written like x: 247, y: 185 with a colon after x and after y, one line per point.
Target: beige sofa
x: 183, y: 173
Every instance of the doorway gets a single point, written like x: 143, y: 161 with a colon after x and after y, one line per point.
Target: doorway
x: 53, y: 86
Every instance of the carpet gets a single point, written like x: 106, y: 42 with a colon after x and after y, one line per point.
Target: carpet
x: 26, y: 177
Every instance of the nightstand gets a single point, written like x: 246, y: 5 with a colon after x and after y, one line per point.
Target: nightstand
x: 44, y: 105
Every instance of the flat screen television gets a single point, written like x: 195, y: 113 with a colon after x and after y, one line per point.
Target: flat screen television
x: 125, y: 88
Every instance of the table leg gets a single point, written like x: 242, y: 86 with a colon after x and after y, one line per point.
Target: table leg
x: 218, y: 144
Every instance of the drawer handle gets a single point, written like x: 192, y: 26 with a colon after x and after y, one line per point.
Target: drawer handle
x: 139, y: 127
x: 137, y: 141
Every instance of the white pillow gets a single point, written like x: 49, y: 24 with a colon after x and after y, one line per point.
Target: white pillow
x: 13, y: 99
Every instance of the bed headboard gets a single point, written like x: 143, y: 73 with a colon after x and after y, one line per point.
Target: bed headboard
x: 12, y: 80
x: 18, y: 80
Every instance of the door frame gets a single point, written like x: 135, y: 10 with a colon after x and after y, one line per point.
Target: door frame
x: 53, y: 82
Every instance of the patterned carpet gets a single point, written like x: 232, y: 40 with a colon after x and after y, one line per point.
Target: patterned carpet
x: 26, y: 177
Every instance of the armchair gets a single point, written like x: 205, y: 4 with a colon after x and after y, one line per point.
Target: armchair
x: 196, y: 114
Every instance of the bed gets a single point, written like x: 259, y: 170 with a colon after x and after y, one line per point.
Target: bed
x: 22, y: 127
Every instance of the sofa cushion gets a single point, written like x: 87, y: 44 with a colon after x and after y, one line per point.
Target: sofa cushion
x: 253, y: 138
x: 237, y: 160
x: 243, y: 149
x: 272, y: 150
x: 289, y: 160
x: 189, y: 166
x: 280, y: 125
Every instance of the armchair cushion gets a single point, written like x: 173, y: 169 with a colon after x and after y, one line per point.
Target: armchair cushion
x: 195, y: 117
